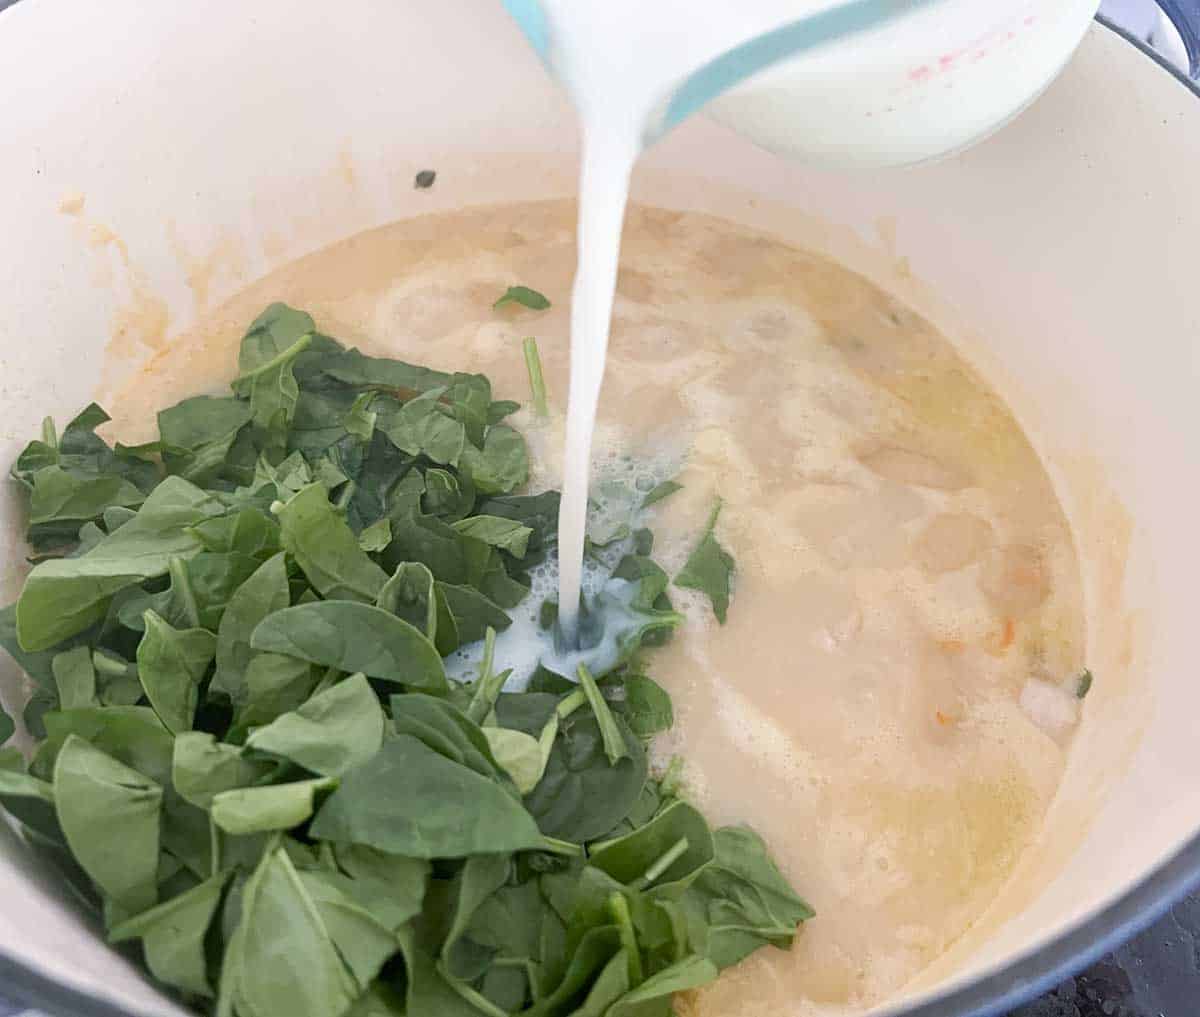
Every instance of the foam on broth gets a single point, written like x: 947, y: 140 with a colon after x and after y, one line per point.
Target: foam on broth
x: 904, y: 568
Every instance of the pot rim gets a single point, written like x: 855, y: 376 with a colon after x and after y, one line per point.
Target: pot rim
x: 1017, y: 982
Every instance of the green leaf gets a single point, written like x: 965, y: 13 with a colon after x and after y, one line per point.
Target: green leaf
x: 502, y: 465
x: 409, y: 595
x: 354, y: 637
x: 539, y: 512
x: 661, y: 491
x: 509, y: 921
x: 377, y: 536
x: 77, y: 479
x: 300, y: 974
x: 741, y: 901
x: 709, y: 568
x: 665, y: 853
x: 434, y: 807
x: 383, y: 374
x: 213, y: 579
x: 360, y: 420
x: 109, y: 814
x: 647, y: 708
x: 690, y: 973
x: 133, y: 735
x: 64, y: 596
x: 596, y: 950
x: 37, y: 665
x: 197, y: 434
x: 582, y: 796
x: 331, y: 734
x: 173, y: 935
x: 473, y: 613
x: 428, y: 991
x: 171, y: 664
x: 519, y: 754
x: 274, y: 685
x: 202, y: 768
x: 326, y: 549
x: 506, y: 534
x: 266, y: 365
x: 249, y: 531
x: 447, y: 730
x: 75, y: 677
x: 8, y: 726
x: 1083, y: 685
x: 500, y: 409
x: 479, y: 878
x: 380, y: 1000
x: 446, y: 496
x: 524, y: 296
x: 14, y: 783
x: 361, y: 940
x: 264, y: 593
x: 60, y: 496
x: 420, y: 427
x: 390, y: 886
x: 432, y: 543
x: 263, y: 809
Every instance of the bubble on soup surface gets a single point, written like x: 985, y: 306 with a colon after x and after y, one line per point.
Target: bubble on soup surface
x: 1051, y: 707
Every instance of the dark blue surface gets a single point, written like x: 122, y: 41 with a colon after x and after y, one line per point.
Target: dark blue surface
x: 1155, y: 974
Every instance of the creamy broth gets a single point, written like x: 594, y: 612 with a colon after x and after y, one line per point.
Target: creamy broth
x: 890, y: 702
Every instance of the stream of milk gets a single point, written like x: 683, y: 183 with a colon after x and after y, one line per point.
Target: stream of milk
x: 621, y: 61
x: 618, y: 60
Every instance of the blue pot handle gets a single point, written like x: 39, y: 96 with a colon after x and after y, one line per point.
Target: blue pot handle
x: 1185, y: 16
x: 532, y: 21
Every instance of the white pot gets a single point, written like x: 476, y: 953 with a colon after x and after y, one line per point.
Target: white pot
x: 219, y: 140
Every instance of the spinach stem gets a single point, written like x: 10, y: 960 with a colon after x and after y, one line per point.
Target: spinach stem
x: 214, y: 847
x: 554, y: 846
x: 104, y: 664
x: 614, y: 744
x: 670, y: 780
x: 49, y: 433
x: 477, y: 1000
x: 292, y: 351
x: 489, y: 686
x: 664, y: 862
x: 533, y: 364
x: 570, y: 704
x: 618, y: 907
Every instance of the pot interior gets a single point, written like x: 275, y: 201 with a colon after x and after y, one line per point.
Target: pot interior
x: 1057, y: 256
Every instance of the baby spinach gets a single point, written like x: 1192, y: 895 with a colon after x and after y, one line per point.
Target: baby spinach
x: 334, y: 732
x: 262, y: 594
x: 709, y: 569
x: 109, y: 814
x: 524, y: 296
x: 354, y: 637
x: 171, y: 664
x: 173, y: 935
x: 661, y: 491
x: 435, y: 808
x: 409, y: 594
x: 251, y: 758
x: 326, y: 549
x: 62, y: 597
